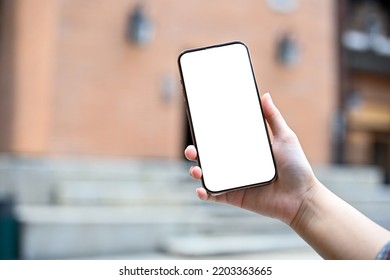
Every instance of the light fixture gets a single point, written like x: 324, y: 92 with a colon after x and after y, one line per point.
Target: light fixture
x: 282, y: 6
x: 139, y: 27
x: 168, y: 88
x: 287, y: 50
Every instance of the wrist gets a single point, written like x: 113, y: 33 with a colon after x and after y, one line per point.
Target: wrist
x: 335, y: 229
x: 306, y: 210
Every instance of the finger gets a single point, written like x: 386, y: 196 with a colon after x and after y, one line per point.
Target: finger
x: 203, y: 195
x: 273, y: 116
x: 191, y: 153
x: 196, y: 172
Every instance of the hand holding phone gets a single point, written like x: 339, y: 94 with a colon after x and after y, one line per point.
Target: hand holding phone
x: 224, y: 113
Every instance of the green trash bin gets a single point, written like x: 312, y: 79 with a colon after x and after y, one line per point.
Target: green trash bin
x: 9, y: 230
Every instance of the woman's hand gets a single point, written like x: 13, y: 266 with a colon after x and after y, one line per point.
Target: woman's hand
x: 331, y: 226
x: 285, y: 195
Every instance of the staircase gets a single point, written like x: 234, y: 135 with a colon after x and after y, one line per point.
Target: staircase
x: 92, y: 208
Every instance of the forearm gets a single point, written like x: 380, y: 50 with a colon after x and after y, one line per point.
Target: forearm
x: 335, y: 229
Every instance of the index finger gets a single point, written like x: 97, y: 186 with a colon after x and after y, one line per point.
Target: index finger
x: 191, y: 153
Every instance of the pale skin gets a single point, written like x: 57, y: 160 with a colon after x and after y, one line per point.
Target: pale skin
x: 331, y: 226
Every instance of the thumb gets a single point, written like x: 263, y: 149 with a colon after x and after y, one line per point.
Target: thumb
x: 274, y: 118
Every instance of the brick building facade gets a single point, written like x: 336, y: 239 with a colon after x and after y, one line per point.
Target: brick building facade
x: 73, y: 84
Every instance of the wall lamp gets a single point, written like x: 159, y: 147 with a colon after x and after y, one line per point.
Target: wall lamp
x: 287, y: 50
x: 139, y: 27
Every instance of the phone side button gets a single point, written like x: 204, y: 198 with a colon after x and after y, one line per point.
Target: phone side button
x: 184, y: 95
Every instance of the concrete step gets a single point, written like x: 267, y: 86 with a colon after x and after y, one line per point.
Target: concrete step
x: 124, y: 192
x: 34, y: 180
x: 80, y: 230
x: 166, y: 187
x: 74, y: 231
x: 306, y: 253
x: 40, y: 180
x: 335, y: 176
x: 200, y: 246
x: 91, y: 207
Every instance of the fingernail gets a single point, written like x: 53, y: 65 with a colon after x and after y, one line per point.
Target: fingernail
x: 268, y: 96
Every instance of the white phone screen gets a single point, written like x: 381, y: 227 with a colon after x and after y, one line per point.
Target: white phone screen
x: 226, y: 118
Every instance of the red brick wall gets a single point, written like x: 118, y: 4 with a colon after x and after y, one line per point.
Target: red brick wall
x: 106, y: 95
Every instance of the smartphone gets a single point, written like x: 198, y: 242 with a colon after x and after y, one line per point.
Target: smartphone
x: 226, y: 118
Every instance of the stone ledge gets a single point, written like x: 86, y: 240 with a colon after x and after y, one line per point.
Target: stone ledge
x: 174, y: 214
x: 123, y: 192
x: 63, y: 232
x: 200, y: 246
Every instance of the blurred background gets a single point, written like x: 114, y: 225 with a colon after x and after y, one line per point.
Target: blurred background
x: 93, y: 124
